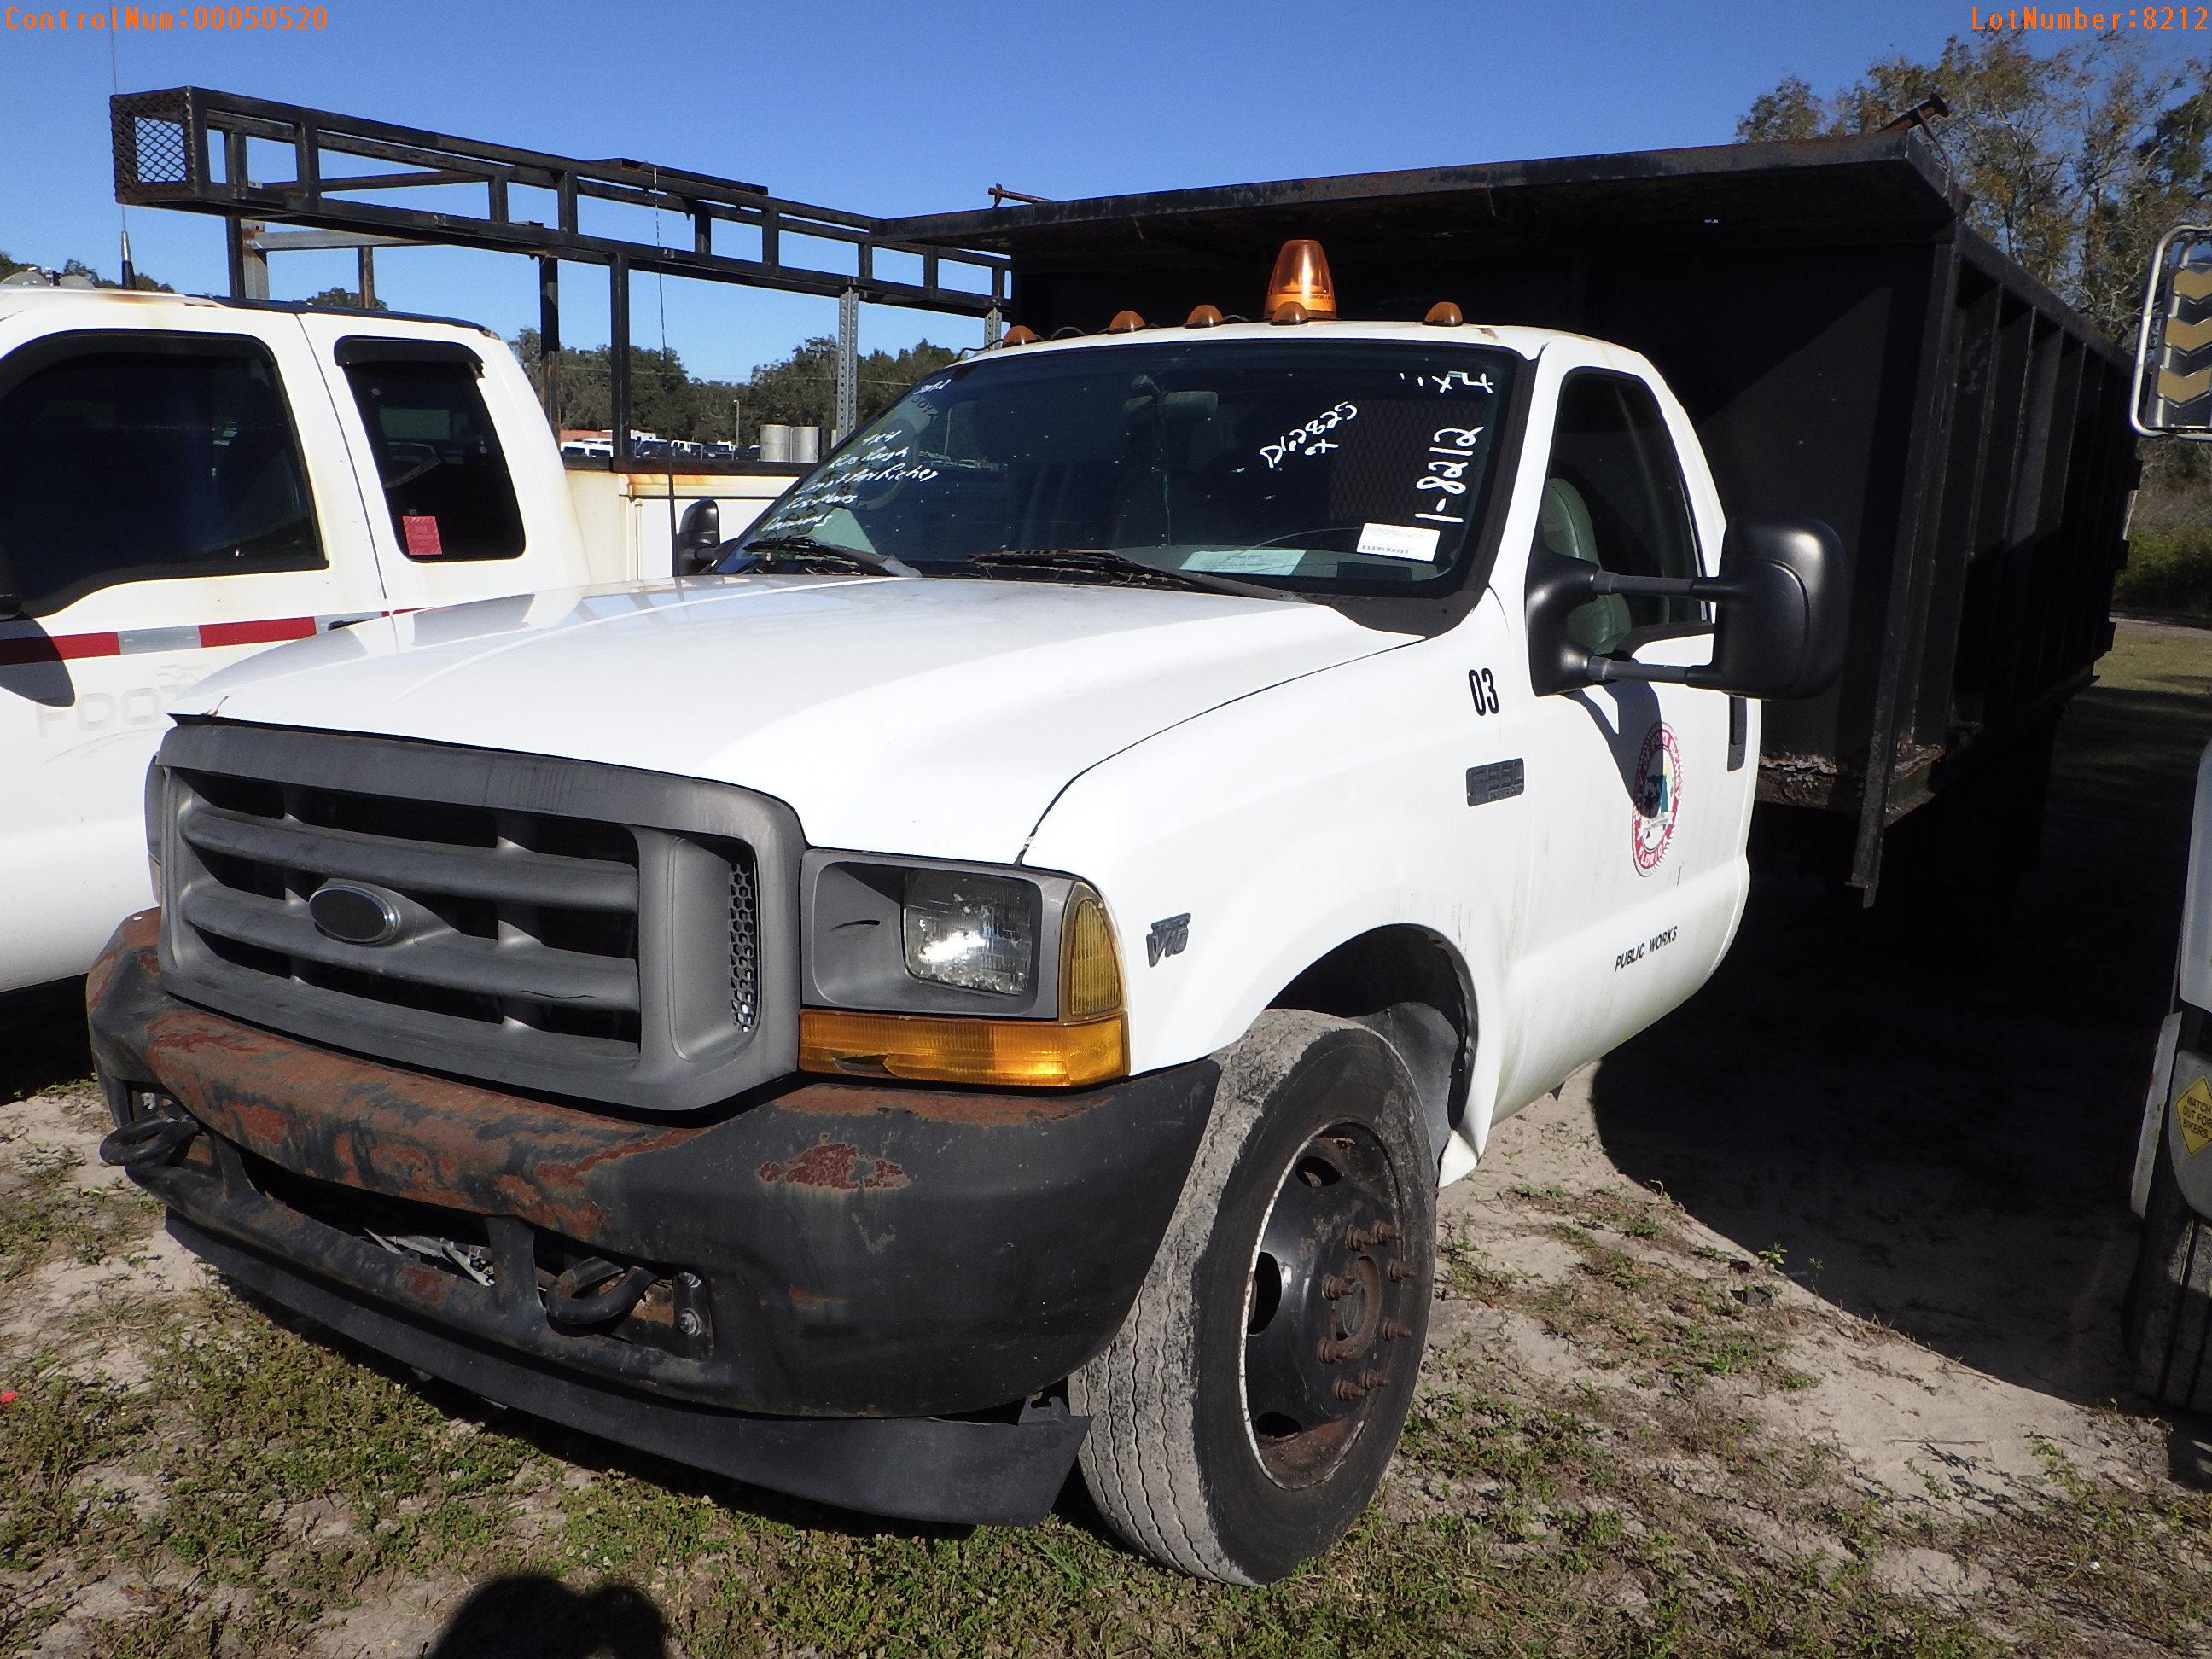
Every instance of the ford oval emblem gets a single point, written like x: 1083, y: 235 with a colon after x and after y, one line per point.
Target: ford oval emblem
x: 347, y: 911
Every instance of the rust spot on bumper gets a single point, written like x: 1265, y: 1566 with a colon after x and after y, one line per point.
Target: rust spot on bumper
x: 835, y: 1166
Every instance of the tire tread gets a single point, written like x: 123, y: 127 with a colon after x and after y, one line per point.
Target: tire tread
x: 1138, y: 1391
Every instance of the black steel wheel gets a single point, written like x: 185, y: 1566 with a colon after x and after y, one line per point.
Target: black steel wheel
x: 1247, y: 1411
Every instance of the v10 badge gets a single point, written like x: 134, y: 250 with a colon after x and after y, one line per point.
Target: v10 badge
x: 1658, y: 798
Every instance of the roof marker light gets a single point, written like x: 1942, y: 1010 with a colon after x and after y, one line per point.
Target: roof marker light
x: 1125, y: 322
x: 1019, y: 334
x: 1203, y: 317
x: 1300, y: 282
x: 1444, y: 314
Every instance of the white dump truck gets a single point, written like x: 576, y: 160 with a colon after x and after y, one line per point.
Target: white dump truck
x: 996, y: 972
x: 185, y: 482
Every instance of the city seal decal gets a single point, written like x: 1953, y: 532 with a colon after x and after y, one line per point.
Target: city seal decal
x: 1658, y: 798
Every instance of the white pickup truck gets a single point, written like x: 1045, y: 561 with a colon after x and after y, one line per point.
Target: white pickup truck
x: 996, y: 973
x: 185, y: 482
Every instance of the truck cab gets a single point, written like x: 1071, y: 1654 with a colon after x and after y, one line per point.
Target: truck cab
x: 185, y: 482
x: 1141, y: 811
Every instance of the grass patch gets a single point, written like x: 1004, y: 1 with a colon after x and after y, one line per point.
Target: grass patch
x: 269, y: 1481
x: 45, y: 1214
x: 2169, y: 573
x: 2135, y: 1561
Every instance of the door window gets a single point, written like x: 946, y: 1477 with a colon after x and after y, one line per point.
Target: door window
x: 1613, y: 497
x: 132, y: 457
x: 445, y: 479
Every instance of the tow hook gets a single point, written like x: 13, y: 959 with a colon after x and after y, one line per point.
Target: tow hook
x: 147, y: 1141
x: 572, y: 1299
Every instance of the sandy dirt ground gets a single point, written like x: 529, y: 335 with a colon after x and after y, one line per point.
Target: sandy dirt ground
x: 1863, y: 1198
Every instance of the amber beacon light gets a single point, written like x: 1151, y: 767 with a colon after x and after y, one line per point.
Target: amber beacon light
x: 1301, y: 289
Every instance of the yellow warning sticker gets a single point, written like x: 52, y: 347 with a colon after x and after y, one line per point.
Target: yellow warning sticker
x: 2194, y: 1112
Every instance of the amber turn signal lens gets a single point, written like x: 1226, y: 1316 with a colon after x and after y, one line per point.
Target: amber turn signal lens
x: 1028, y: 1054
x: 1089, y: 966
x: 1301, y: 277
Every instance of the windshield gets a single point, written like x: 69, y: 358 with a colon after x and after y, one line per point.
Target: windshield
x: 1338, y: 466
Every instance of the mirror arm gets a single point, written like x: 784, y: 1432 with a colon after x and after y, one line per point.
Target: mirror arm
x: 1605, y: 669
x: 1661, y: 588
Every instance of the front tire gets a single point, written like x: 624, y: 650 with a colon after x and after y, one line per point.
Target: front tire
x: 1246, y: 1412
x: 2169, y: 1310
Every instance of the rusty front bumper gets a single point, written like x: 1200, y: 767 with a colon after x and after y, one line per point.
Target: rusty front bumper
x: 833, y: 1250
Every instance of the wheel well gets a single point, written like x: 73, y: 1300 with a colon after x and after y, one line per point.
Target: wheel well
x: 1390, y: 979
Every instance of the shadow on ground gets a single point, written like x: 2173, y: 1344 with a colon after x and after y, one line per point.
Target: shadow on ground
x: 530, y: 1617
x: 1939, y: 1131
x: 42, y: 1038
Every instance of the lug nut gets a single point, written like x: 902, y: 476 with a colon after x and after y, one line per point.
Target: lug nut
x: 1371, y: 1380
x: 1331, y: 1351
x: 690, y: 1323
x: 1335, y: 1285
x: 1400, y: 1269
x: 1345, y: 1388
x: 1392, y: 1330
x: 1360, y: 1238
x: 1388, y: 1232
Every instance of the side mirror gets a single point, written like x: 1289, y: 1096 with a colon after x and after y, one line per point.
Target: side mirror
x: 1783, y: 597
x: 1783, y: 601
x: 698, y: 538
x: 2174, y: 345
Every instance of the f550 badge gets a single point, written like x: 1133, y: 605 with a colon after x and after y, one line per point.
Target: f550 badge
x: 1658, y: 798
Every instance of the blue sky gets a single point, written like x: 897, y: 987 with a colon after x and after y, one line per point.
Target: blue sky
x: 915, y: 108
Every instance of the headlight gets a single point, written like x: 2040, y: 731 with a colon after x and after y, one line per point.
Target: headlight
x: 972, y: 930
x: 935, y: 971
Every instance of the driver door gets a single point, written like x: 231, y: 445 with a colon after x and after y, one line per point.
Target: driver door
x: 1637, y: 873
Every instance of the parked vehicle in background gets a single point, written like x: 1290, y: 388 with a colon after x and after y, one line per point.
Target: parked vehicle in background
x: 2169, y: 1311
x: 184, y: 482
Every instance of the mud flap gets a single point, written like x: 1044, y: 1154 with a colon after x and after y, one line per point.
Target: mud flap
x: 2156, y: 1099
x: 2189, y: 1129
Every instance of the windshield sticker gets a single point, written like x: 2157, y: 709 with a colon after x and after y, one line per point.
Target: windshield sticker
x: 1444, y: 480
x: 1248, y: 561
x: 1658, y: 798
x: 1311, y: 439
x: 1398, y: 541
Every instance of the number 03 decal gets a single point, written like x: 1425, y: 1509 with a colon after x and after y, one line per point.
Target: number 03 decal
x: 1484, y: 689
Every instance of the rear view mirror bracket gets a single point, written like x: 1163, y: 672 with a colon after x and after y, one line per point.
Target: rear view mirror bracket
x: 1782, y: 604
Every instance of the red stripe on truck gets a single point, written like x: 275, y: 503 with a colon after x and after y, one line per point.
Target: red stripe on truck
x: 57, y: 648
x: 64, y: 647
x: 257, y: 633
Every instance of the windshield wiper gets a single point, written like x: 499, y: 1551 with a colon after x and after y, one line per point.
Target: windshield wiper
x: 768, y: 546
x: 1104, y: 561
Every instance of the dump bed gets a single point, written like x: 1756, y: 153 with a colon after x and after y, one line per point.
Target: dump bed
x: 1850, y: 349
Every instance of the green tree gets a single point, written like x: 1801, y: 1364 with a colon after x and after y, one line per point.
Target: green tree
x: 344, y: 296
x: 2075, y: 162
x: 140, y: 281
x: 800, y: 390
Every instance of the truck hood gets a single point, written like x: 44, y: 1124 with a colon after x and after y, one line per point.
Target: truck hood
x: 934, y: 716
